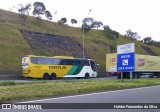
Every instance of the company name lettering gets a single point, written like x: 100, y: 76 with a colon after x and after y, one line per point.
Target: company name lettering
x: 57, y: 67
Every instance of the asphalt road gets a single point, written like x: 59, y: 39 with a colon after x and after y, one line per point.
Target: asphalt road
x: 138, y: 95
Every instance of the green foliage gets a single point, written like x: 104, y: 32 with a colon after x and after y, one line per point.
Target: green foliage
x: 7, y: 83
x: 24, y: 11
x: 39, y: 9
x: 97, y: 24
x: 155, y: 43
x: 37, y: 22
x: 11, y: 91
x: 85, y: 28
x: 62, y: 20
x: 110, y: 33
x: 73, y: 21
x: 12, y: 47
x: 87, y: 24
x: 147, y: 40
x: 23, y: 16
x: 48, y: 15
x: 132, y: 35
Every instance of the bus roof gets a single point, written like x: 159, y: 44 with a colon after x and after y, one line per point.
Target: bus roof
x: 61, y: 57
x: 64, y: 57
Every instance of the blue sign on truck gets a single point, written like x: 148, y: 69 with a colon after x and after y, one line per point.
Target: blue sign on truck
x: 125, y: 62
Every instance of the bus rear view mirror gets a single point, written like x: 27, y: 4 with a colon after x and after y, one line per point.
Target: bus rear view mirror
x: 98, y: 65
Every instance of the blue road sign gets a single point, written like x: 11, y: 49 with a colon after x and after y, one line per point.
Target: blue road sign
x: 125, y: 62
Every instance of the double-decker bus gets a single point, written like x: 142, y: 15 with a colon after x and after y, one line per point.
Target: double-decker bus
x: 57, y: 67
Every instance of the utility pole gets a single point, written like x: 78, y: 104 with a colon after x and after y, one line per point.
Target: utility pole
x: 108, y: 48
x: 83, y: 32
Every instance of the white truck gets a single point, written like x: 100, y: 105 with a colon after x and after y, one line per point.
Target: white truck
x: 145, y: 66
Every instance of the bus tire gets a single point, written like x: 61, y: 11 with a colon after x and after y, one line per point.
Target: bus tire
x: 86, y: 76
x: 52, y: 76
x: 46, y: 76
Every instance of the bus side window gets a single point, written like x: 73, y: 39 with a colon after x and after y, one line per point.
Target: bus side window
x: 40, y: 61
x: 77, y: 62
x: 86, y: 63
x: 74, y: 62
x: 33, y: 60
x: 63, y: 62
x: 55, y: 61
x: 47, y: 61
x: 70, y: 62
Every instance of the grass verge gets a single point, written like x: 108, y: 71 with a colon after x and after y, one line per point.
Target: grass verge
x: 18, y: 91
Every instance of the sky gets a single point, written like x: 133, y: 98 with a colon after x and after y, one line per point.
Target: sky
x: 141, y: 16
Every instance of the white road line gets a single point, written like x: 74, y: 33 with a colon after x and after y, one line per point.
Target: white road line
x: 88, y: 94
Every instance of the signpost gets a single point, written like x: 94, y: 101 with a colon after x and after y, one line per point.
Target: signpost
x: 125, y: 58
x: 125, y: 62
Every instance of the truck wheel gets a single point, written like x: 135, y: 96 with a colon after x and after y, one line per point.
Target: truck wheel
x: 46, y: 76
x: 52, y: 76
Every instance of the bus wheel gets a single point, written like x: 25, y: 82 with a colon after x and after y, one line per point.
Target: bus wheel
x: 46, y: 76
x: 86, y: 76
x: 52, y: 76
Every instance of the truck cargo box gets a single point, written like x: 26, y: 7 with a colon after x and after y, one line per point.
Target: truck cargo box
x: 142, y: 62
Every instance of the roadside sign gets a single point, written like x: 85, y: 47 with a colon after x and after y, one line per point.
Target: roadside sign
x: 126, y: 48
x: 125, y: 57
x: 125, y: 62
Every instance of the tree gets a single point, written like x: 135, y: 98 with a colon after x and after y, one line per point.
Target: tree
x: 24, y: 11
x: 39, y: 9
x: 106, y: 27
x: 110, y: 33
x: 62, y: 21
x: 132, y: 35
x: 87, y: 24
x: 73, y: 21
x: 157, y: 44
x: 89, y: 21
x: 97, y: 24
x: 28, y: 8
x: 115, y: 33
x: 48, y: 15
x: 147, y: 40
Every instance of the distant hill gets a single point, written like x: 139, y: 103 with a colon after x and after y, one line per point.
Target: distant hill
x: 19, y: 38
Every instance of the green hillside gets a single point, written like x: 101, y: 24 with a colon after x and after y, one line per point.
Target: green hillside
x: 13, y: 44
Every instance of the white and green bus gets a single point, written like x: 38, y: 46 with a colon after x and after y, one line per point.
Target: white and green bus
x: 57, y: 67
